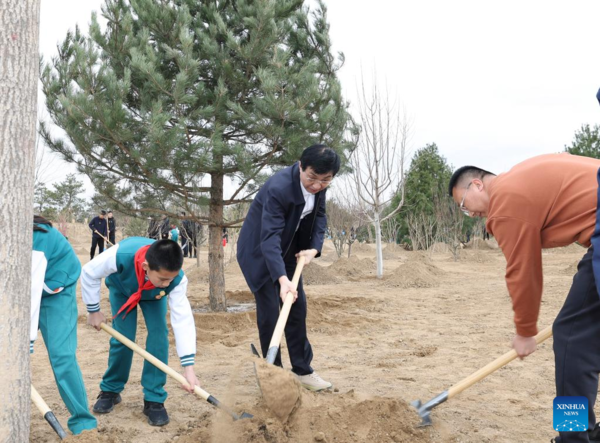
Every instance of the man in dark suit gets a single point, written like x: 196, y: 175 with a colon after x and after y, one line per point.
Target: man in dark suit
x: 287, y: 220
x: 99, y: 228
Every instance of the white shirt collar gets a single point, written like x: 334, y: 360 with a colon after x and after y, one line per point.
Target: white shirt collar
x: 305, y: 193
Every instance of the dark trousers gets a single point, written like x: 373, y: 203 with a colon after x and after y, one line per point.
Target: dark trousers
x: 577, y: 344
x: 111, y: 237
x: 97, y: 241
x: 268, y: 304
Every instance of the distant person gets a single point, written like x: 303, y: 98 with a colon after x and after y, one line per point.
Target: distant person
x: 99, y: 227
x: 112, y: 227
x: 54, y: 273
x: 287, y: 220
x: 184, y: 237
x: 225, y: 237
x: 174, y: 233
x: 547, y: 201
x: 164, y: 227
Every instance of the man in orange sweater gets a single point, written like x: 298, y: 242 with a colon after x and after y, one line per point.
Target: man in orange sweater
x: 546, y: 202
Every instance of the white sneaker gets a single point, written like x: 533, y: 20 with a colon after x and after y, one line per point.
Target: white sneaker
x: 313, y: 382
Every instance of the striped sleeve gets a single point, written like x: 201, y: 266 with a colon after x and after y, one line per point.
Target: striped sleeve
x: 93, y: 273
x: 182, y: 322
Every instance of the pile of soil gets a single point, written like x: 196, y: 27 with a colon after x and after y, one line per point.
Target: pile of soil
x: 362, y: 247
x: 315, y: 274
x: 330, y: 257
x: 439, y: 247
x: 417, y: 272
x: 281, y: 392
x: 326, y: 417
x: 353, y: 268
x: 479, y: 243
x: 197, y: 275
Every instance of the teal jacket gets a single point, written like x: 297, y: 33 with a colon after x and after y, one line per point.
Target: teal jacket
x: 63, y: 268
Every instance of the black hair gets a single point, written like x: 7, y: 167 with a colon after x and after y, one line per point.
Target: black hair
x: 466, y: 171
x: 322, y: 159
x: 164, y: 254
x: 103, y: 212
x: 39, y: 220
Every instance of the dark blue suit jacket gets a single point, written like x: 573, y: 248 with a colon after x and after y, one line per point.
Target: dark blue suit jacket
x: 99, y: 225
x: 270, y: 225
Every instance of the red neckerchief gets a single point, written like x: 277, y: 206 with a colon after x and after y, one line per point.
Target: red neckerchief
x: 143, y: 285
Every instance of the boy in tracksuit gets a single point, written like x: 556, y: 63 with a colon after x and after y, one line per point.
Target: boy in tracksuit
x: 54, y: 273
x: 142, y: 271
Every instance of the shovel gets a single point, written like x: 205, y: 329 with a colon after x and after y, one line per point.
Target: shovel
x: 107, y: 240
x: 424, y: 410
x: 171, y: 372
x: 283, y: 316
x: 37, y: 399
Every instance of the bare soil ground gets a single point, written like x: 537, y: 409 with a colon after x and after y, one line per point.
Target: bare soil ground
x: 430, y: 322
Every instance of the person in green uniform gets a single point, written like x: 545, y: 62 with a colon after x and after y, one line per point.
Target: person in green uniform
x: 174, y: 233
x: 144, y: 272
x: 54, y: 273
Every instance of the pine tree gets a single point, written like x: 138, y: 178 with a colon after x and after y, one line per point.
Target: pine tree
x: 174, y: 91
x: 586, y: 143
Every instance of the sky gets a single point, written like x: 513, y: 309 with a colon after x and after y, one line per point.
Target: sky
x: 491, y: 83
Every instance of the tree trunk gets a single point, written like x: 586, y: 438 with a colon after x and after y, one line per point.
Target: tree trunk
x: 216, y: 276
x: 378, y: 247
x: 19, y: 73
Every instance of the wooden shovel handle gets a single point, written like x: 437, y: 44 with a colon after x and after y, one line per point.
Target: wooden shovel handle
x: 493, y: 366
x: 39, y: 402
x: 287, y: 305
x: 155, y: 361
x: 107, y: 240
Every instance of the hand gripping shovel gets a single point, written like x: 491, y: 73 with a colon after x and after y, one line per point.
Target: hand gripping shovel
x: 37, y: 399
x: 283, y: 316
x: 171, y: 372
x: 424, y: 410
x: 107, y: 240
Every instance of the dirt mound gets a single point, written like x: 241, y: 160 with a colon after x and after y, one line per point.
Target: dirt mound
x: 327, y: 418
x: 330, y: 257
x: 479, y: 243
x: 197, y: 275
x: 239, y: 296
x: 353, y: 268
x: 226, y: 328
x: 280, y: 390
x: 362, y: 247
x: 439, y: 247
x: 415, y: 273
x: 315, y: 274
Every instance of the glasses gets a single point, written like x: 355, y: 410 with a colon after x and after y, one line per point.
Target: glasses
x: 312, y: 180
x: 462, y: 202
